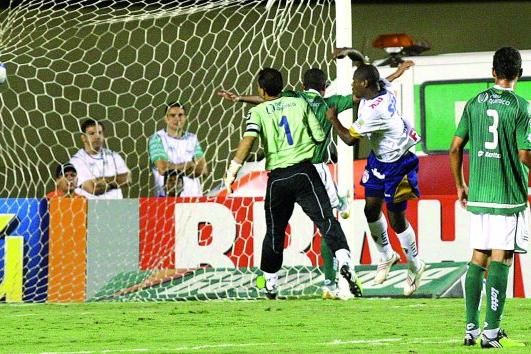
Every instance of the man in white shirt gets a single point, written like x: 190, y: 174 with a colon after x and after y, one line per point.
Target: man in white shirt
x: 175, y: 148
x: 101, y: 172
x: 391, y: 172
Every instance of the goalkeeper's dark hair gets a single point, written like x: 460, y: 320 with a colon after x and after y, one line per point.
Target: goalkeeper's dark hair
x: 314, y: 79
x: 89, y: 122
x: 507, y: 63
x: 175, y: 104
x: 270, y: 80
x: 368, y: 72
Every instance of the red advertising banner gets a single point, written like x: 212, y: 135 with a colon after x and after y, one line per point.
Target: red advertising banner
x: 228, y: 232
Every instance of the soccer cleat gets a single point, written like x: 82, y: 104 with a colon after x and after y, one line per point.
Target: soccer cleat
x: 329, y: 292
x: 501, y: 341
x: 470, y: 339
x: 384, y: 267
x: 353, y: 282
x: 413, y: 278
x: 270, y: 290
x: 271, y: 294
x: 344, y: 206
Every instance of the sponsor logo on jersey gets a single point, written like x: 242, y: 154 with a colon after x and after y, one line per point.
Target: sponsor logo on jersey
x: 489, y: 154
x: 279, y: 106
x: 376, y: 102
x: 483, y: 97
x: 499, y: 101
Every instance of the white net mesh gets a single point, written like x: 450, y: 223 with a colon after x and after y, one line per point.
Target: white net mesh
x: 121, y: 62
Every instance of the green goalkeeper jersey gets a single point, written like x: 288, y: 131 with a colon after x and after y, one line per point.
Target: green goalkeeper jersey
x: 496, y: 125
x: 288, y: 129
x: 319, y: 106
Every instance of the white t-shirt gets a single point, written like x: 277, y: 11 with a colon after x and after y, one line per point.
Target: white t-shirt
x: 176, y: 150
x: 106, y: 163
x: 389, y: 134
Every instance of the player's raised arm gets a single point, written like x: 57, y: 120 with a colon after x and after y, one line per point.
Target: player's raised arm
x: 342, y: 132
x: 402, y: 68
x: 234, y: 97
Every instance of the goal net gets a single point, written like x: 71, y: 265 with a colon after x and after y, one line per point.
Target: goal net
x: 120, y: 62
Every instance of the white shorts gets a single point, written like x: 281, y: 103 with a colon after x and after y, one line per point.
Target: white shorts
x: 328, y: 181
x: 500, y: 232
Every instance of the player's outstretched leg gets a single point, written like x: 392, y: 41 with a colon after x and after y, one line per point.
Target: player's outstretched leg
x: 388, y: 257
x: 346, y: 270
x: 406, y: 235
x: 329, y: 287
x: 314, y: 200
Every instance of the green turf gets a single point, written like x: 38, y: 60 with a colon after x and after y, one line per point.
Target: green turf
x: 282, y: 326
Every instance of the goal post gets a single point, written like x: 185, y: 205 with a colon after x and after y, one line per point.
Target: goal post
x: 345, y: 153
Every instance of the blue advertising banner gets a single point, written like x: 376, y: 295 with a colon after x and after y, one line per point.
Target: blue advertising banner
x: 27, y: 217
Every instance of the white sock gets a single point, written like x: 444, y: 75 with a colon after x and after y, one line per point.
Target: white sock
x: 474, y: 332
x: 380, y: 237
x: 343, y: 257
x: 408, y: 243
x: 491, y: 333
x: 271, y: 280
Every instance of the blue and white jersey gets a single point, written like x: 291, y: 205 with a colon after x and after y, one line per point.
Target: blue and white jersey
x: 175, y: 150
x: 389, y: 134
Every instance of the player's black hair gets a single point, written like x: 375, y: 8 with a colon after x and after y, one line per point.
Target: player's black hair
x: 89, y: 122
x: 314, y: 79
x: 173, y: 105
x: 507, y: 63
x: 270, y: 80
x: 368, y: 72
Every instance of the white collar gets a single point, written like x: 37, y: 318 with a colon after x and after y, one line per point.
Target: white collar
x: 313, y: 91
x: 498, y: 87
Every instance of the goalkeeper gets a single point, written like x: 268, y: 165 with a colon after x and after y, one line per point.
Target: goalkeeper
x: 314, y: 83
x: 292, y: 178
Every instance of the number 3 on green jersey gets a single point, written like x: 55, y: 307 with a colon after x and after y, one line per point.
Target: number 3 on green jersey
x: 493, y: 129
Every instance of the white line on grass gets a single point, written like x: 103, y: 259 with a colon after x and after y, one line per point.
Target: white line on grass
x: 376, y: 341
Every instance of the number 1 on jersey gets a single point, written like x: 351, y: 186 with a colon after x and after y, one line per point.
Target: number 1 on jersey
x: 284, y: 123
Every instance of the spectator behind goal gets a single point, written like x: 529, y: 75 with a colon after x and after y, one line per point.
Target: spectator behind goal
x: 65, y: 181
x: 101, y: 172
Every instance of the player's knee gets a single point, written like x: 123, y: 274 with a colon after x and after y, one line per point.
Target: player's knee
x: 399, y: 225
x: 371, y: 213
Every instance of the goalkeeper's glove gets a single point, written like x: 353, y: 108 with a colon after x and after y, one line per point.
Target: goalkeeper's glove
x: 230, y: 175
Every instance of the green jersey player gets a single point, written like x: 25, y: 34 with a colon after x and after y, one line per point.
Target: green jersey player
x: 289, y: 132
x: 314, y: 84
x: 495, y: 124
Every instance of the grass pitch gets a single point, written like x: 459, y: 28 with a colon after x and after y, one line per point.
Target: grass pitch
x: 258, y: 326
